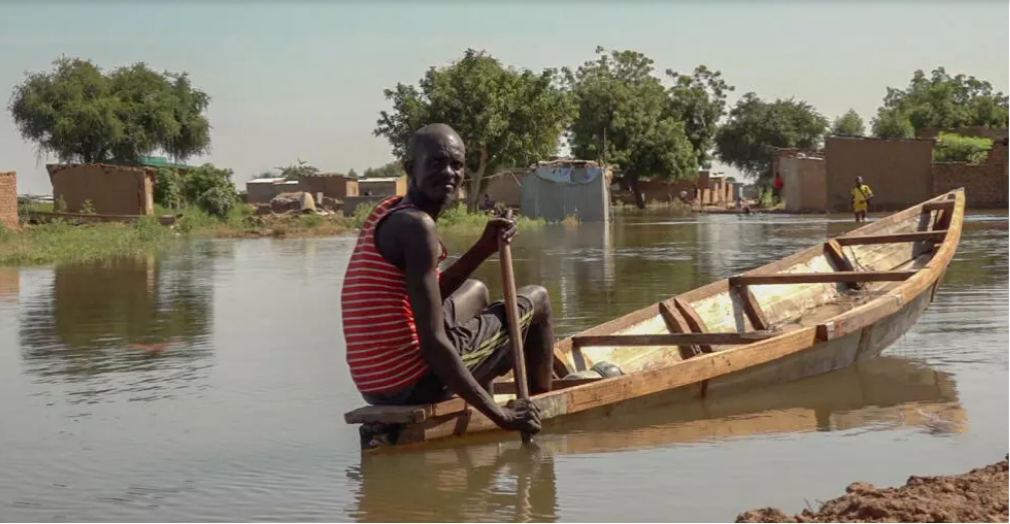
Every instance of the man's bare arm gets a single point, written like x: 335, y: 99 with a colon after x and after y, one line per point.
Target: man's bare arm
x: 418, y: 244
x: 487, y: 245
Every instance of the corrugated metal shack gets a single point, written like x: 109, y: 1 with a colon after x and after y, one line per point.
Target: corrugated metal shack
x: 558, y: 189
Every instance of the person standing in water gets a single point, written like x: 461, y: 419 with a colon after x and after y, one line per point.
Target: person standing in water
x: 861, y: 195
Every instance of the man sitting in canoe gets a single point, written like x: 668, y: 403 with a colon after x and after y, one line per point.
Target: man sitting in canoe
x: 416, y: 335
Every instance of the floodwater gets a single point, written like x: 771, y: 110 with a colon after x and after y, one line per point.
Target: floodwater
x: 210, y: 385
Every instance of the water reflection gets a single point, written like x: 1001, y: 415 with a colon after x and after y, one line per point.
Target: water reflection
x: 10, y: 285
x: 136, y: 326
x: 486, y: 482
x: 481, y: 480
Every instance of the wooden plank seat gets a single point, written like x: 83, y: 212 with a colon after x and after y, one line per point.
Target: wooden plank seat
x: 918, y: 236
x: 832, y: 277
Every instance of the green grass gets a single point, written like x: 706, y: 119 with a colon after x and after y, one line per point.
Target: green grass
x: 61, y: 241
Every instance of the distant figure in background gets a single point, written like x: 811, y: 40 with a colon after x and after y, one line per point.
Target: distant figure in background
x: 777, y: 189
x: 861, y: 195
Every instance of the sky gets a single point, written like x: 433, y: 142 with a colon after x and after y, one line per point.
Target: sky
x: 305, y: 80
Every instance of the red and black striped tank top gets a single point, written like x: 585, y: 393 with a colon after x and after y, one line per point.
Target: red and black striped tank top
x: 383, y: 351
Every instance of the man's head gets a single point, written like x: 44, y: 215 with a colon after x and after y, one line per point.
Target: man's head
x: 435, y: 162
x: 859, y: 180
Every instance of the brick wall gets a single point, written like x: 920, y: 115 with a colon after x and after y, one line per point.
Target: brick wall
x: 900, y: 172
x: 659, y: 191
x: 9, y: 200
x: 112, y: 190
x: 985, y: 185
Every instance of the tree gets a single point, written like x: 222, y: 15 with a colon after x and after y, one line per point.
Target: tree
x: 352, y: 173
x: 392, y: 169
x: 755, y: 128
x: 699, y: 101
x: 298, y: 170
x: 79, y: 114
x: 892, y: 124
x: 625, y: 118
x: 505, y: 116
x: 849, y: 124
x: 940, y: 101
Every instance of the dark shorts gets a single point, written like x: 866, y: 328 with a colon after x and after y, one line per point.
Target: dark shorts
x: 481, y: 341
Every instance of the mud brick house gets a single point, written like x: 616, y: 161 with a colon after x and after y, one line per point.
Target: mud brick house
x: 330, y: 185
x: 382, y: 186
x: 263, y: 190
x: 112, y: 189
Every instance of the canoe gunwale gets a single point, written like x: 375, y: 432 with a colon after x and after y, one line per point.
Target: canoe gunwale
x: 425, y: 420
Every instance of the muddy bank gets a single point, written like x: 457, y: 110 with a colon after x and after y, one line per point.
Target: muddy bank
x: 977, y: 496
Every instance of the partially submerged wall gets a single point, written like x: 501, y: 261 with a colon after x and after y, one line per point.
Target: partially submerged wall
x: 112, y: 189
x: 900, y: 172
x: 985, y: 185
x: 555, y: 191
x: 9, y: 200
x: 805, y: 187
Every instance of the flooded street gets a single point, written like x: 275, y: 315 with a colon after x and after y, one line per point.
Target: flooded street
x: 210, y: 385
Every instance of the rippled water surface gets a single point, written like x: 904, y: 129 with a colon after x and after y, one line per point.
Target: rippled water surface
x: 210, y: 385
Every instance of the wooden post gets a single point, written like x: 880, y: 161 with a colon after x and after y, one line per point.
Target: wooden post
x: 515, y: 333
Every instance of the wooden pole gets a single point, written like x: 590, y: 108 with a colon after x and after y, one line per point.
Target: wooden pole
x: 515, y: 333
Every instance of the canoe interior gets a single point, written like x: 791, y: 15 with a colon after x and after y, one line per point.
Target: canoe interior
x: 886, y: 269
x: 785, y: 307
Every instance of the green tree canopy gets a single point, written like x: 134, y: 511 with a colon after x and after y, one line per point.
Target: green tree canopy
x: 80, y: 114
x: 940, y: 101
x: 351, y: 173
x: 505, y: 116
x: 699, y: 101
x: 625, y: 118
x: 755, y: 128
x: 849, y: 124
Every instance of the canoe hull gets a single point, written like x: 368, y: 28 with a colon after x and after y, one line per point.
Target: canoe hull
x: 860, y: 331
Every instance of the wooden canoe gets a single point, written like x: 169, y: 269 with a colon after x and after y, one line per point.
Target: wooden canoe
x: 813, y: 312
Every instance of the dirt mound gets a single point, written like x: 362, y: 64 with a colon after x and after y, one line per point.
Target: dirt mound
x: 977, y: 496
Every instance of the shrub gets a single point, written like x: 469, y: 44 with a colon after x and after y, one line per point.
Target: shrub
x: 217, y: 201
x: 210, y: 189
x: 168, y: 190
x: 952, y: 147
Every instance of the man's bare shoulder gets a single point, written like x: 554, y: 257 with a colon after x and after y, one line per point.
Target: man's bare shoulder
x: 407, y: 223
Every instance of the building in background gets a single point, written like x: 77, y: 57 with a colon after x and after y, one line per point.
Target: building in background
x: 564, y: 188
